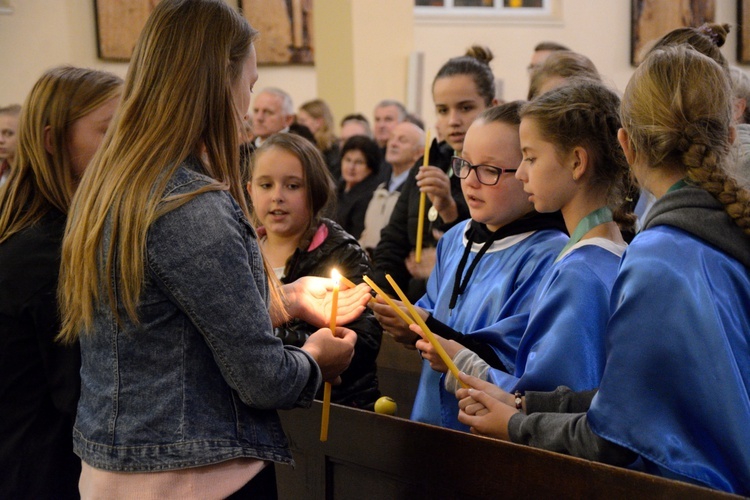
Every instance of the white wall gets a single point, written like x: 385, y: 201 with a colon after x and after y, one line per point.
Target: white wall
x: 600, y: 29
x: 44, y: 33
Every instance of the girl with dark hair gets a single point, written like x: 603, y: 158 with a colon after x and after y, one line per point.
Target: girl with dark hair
x: 463, y: 87
x: 290, y: 190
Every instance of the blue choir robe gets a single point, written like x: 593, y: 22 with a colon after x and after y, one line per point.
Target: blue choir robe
x: 564, y: 341
x: 497, y: 299
x: 676, y: 385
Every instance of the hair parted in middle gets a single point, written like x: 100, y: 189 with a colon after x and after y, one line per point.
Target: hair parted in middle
x: 368, y: 147
x: 319, y: 185
x: 177, y: 101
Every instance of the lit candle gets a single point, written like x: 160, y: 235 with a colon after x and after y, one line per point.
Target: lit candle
x: 422, y: 201
x: 388, y: 300
x: 428, y: 333
x: 335, y: 276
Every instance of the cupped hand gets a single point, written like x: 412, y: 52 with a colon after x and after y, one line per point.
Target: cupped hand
x: 309, y: 298
x: 430, y: 353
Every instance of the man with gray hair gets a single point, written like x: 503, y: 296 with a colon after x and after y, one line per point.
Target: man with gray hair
x: 388, y: 114
x: 273, y: 112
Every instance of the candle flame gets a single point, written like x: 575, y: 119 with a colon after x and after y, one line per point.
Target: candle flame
x: 335, y: 276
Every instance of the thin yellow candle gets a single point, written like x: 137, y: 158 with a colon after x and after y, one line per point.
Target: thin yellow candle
x: 422, y: 201
x: 335, y: 276
x: 428, y: 333
x: 388, y: 300
x: 346, y: 281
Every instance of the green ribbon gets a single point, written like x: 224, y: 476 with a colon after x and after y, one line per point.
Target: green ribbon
x: 599, y: 216
x: 677, y: 185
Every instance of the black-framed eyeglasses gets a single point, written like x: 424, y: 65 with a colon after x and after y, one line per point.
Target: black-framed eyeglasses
x: 486, y: 174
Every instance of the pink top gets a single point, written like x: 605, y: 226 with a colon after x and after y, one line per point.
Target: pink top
x: 210, y: 481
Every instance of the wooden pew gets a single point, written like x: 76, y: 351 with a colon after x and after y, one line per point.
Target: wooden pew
x: 377, y: 456
x: 398, y: 374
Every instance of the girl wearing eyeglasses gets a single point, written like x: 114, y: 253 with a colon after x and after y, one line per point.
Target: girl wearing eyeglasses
x: 572, y: 163
x: 487, y: 268
x: 673, y: 399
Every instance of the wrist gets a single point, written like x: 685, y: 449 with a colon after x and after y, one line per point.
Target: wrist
x: 449, y: 212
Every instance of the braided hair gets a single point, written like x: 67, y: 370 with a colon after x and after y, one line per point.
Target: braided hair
x: 677, y: 110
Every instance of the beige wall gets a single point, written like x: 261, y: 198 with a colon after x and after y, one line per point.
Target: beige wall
x: 599, y: 29
x: 44, y: 33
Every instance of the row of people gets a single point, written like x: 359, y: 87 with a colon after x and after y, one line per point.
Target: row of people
x: 638, y: 346
x: 191, y: 267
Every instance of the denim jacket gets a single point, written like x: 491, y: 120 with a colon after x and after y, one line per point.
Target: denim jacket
x: 199, y: 379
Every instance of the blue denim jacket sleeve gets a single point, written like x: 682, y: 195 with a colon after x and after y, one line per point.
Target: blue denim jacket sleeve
x: 205, y: 257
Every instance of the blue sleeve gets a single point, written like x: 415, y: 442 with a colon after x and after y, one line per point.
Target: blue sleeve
x: 564, y: 341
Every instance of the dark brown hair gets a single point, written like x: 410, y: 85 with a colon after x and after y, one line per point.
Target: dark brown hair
x: 319, y: 184
x: 475, y: 63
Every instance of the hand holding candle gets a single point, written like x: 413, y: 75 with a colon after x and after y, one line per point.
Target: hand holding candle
x: 401, y: 314
x: 335, y: 276
x: 422, y: 201
x: 428, y: 333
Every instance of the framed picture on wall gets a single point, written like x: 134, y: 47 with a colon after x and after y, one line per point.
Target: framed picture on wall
x: 118, y: 25
x: 286, y: 30
x: 652, y: 19
x: 743, y: 31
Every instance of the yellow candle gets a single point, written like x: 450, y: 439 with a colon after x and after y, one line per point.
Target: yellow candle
x: 346, y: 281
x: 388, y: 300
x: 335, y: 276
x: 428, y: 333
x: 422, y: 201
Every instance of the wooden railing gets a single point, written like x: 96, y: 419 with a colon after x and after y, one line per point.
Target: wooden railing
x: 368, y: 455
x: 376, y: 456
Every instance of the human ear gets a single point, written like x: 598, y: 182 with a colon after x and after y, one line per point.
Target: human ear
x: 624, y: 140
x: 48, y: 140
x: 740, y: 104
x: 580, y: 162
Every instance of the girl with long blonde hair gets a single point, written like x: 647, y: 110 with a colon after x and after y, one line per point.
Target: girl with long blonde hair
x: 61, y: 125
x: 163, y: 282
